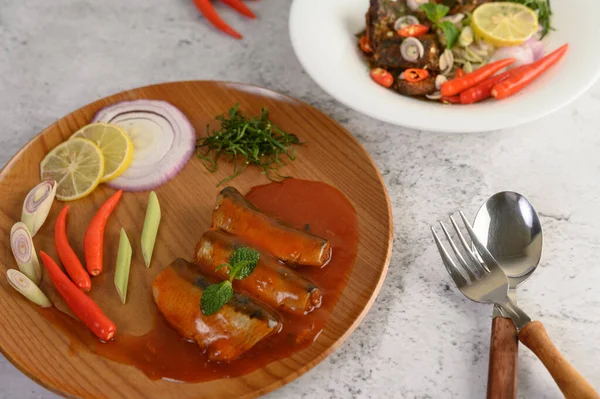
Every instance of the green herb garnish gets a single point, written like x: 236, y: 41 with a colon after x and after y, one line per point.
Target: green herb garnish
x: 241, y: 264
x: 543, y: 10
x: 435, y: 13
x: 251, y: 141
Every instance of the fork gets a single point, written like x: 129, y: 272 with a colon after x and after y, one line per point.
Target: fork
x: 487, y: 283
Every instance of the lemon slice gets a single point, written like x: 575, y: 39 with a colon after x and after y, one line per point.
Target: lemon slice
x: 115, y: 144
x: 504, y: 24
x: 78, y: 167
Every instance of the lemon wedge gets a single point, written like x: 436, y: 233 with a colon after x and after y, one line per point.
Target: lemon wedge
x: 115, y: 144
x: 504, y: 24
x: 77, y: 166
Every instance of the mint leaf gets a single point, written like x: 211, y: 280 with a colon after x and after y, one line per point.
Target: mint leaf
x: 434, y: 12
x: 451, y: 33
x: 242, y: 262
x: 215, y: 296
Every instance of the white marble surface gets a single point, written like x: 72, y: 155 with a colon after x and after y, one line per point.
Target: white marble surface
x: 421, y: 339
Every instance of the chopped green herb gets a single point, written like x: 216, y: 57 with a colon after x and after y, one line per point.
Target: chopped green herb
x: 241, y: 264
x: 543, y: 10
x: 247, y: 141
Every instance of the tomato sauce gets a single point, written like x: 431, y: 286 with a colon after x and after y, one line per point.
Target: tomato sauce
x: 163, y: 354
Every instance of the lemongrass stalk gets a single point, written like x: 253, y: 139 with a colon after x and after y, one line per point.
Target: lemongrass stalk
x: 27, y: 288
x: 37, y: 205
x: 123, y: 266
x: 150, y: 229
x: 24, y: 252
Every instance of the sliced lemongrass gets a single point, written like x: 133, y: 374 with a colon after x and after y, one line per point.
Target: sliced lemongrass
x: 27, y: 288
x: 150, y: 229
x: 123, y: 266
x: 24, y: 252
x: 37, y: 205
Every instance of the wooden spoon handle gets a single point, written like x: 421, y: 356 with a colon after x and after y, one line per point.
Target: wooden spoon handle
x: 571, y: 383
x: 502, y: 370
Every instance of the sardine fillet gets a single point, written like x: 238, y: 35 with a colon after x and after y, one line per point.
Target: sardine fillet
x: 225, y: 335
x: 236, y: 215
x: 271, y: 282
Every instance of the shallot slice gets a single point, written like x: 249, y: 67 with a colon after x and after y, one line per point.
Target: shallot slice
x: 405, y: 21
x: 412, y: 49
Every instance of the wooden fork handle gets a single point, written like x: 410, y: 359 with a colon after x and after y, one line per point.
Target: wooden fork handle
x: 571, y: 383
x: 502, y: 370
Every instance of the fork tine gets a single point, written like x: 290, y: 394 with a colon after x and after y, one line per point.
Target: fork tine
x: 461, y: 260
x: 486, y: 256
x: 474, y: 261
x: 450, y: 266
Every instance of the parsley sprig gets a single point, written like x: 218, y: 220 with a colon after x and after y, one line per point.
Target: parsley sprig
x: 241, y: 264
x: 435, y: 13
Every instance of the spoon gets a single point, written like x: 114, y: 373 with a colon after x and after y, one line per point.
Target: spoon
x: 510, y: 229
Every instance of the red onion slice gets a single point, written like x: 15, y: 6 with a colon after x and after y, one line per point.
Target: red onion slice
x: 523, y: 55
x: 537, y: 48
x: 163, y: 141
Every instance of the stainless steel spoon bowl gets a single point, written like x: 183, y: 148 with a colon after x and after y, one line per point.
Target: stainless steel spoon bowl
x: 510, y: 229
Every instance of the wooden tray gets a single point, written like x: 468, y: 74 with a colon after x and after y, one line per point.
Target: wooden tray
x: 330, y: 154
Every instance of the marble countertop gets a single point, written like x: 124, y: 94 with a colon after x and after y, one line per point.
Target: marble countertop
x: 421, y: 339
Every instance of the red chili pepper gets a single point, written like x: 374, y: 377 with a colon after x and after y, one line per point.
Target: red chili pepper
x: 66, y: 254
x: 459, y: 73
x: 93, y: 242
x: 523, y: 77
x: 416, y: 75
x: 382, y: 77
x: 450, y: 99
x: 240, y: 7
x: 458, y: 85
x: 207, y: 9
x: 82, y: 305
x: 365, y: 45
x: 484, y: 89
x: 414, y: 30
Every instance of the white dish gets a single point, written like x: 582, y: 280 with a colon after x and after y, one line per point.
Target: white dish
x: 323, y: 36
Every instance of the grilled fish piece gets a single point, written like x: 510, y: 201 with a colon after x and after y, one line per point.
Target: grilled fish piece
x: 388, y: 54
x: 271, y: 282
x: 225, y: 335
x: 381, y: 17
x: 425, y: 86
x: 236, y: 215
